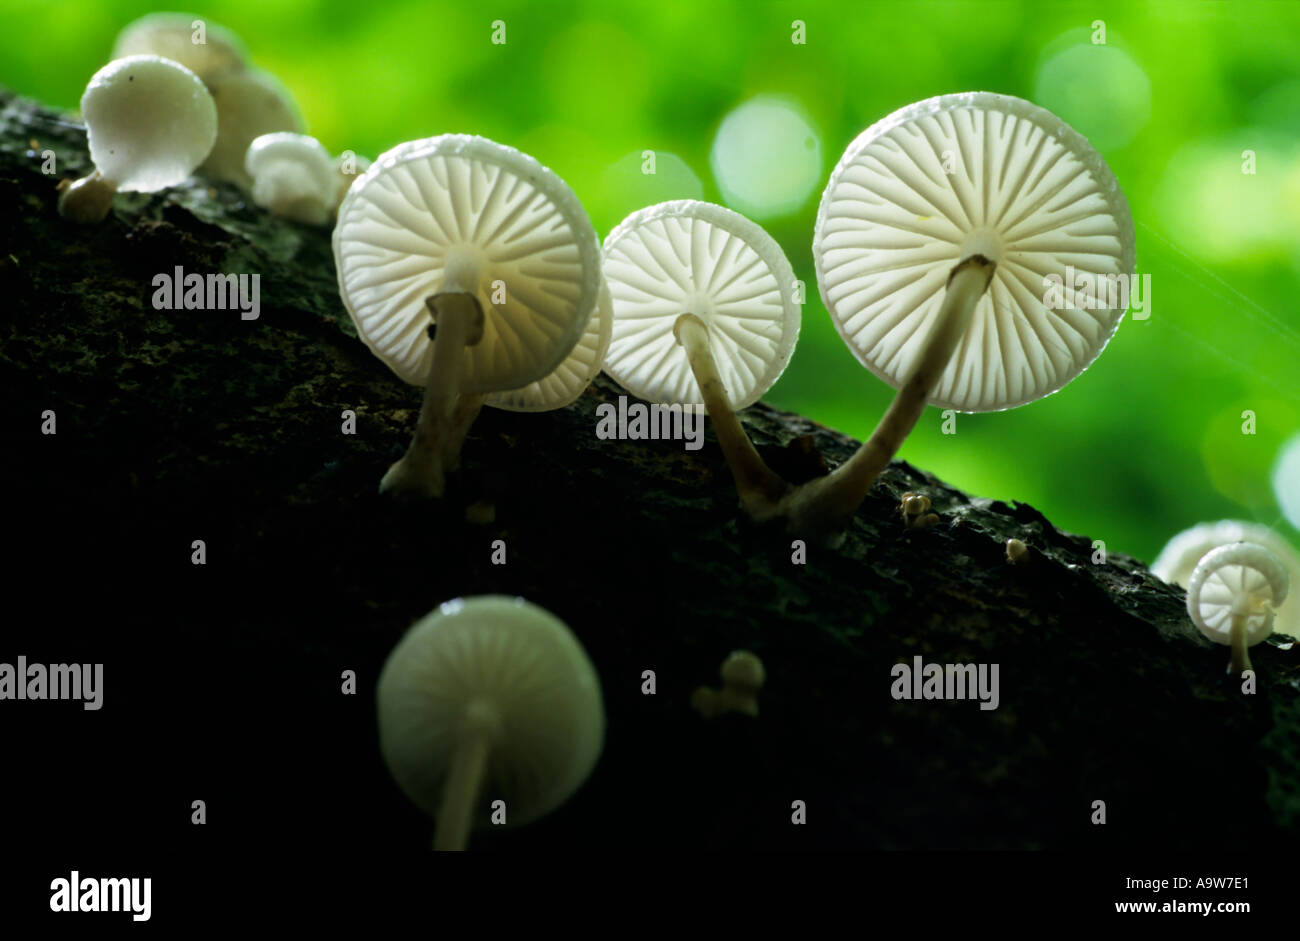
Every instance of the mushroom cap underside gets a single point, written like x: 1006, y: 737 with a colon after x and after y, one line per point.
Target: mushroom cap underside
x: 965, y: 174
x: 694, y: 257
x: 519, y: 673
x: 464, y: 214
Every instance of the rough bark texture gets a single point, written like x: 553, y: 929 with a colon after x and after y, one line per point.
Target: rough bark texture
x: 222, y: 682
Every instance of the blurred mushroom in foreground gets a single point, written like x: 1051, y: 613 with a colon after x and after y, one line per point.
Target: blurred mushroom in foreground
x: 489, y: 699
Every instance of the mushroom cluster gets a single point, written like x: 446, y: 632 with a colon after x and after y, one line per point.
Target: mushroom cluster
x: 249, y: 102
x: 474, y: 272
x: 933, y: 275
x: 288, y: 173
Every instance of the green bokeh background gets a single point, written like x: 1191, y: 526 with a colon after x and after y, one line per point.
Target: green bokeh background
x: 1146, y: 442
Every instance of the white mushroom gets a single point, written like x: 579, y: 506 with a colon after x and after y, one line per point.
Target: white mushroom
x: 1177, y: 560
x: 149, y: 123
x: 485, y: 244
x: 293, y: 176
x: 1232, y: 597
x: 485, y: 699
x: 177, y: 36
x: 249, y: 104
x: 937, y: 241
x: 704, y: 313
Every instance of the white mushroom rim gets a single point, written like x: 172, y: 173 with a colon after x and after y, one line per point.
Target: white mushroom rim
x: 1232, y: 596
x: 487, y: 244
x: 484, y: 699
x: 968, y: 174
x: 571, y: 378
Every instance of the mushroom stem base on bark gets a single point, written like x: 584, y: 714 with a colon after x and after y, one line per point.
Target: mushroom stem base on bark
x: 419, y: 474
x: 759, y: 487
x: 822, y: 507
x: 461, y: 794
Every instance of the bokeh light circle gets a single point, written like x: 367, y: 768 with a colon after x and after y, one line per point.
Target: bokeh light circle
x: 767, y: 158
x: 1099, y: 90
x: 1286, y: 480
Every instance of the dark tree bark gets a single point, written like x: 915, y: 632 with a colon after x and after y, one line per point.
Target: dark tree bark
x: 223, y: 680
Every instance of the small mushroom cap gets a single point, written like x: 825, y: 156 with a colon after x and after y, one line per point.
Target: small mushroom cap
x: 743, y: 670
x: 693, y: 257
x: 293, y: 176
x: 149, y: 121
x: 500, y: 663
x: 249, y: 104
x: 954, y: 176
x: 571, y: 378
x: 171, y: 35
x: 1244, y: 579
x: 1177, y: 560
x: 461, y: 213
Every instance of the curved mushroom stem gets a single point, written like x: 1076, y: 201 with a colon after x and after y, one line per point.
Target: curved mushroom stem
x: 462, y: 416
x: 88, y: 199
x: 419, y: 473
x: 1240, y: 660
x: 461, y: 794
x: 759, y: 487
x: 822, y: 506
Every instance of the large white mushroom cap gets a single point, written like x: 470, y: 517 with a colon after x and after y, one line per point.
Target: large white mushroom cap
x: 571, y: 378
x: 172, y: 36
x: 499, y: 663
x: 430, y: 215
x: 691, y: 257
x: 963, y: 174
x: 149, y: 121
x: 1241, y: 579
x: 1177, y: 560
